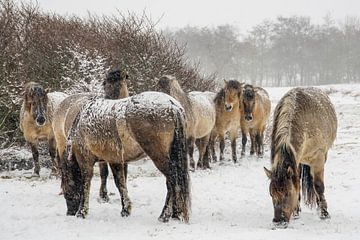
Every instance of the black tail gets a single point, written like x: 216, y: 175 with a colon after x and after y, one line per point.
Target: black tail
x: 71, y: 175
x: 308, y: 190
x: 180, y: 179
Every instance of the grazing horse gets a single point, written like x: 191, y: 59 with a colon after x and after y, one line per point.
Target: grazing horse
x: 36, y: 116
x: 255, y: 112
x: 227, y: 103
x: 105, y: 129
x: 200, y: 115
x: 304, y: 129
x: 115, y: 87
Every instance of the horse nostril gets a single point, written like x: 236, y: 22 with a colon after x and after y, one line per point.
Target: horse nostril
x: 228, y: 108
x: 41, y: 120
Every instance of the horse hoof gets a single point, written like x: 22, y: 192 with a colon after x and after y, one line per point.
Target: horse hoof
x: 164, y: 219
x: 280, y: 225
x: 125, y: 213
x: 35, y: 175
x: 324, y: 215
x: 81, y: 214
x: 296, y: 216
x: 70, y: 213
x: 104, y: 198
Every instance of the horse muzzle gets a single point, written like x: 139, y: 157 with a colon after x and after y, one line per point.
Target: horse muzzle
x: 248, y: 118
x: 228, y: 107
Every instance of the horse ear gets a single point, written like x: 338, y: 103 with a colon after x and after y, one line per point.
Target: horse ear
x: 267, y: 172
x: 47, y: 90
x: 226, y: 82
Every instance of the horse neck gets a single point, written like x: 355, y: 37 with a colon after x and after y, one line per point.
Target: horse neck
x: 180, y: 95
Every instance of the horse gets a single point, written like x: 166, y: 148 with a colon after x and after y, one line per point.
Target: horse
x: 227, y: 102
x: 255, y: 112
x: 200, y: 115
x: 36, y: 116
x: 115, y: 87
x: 104, y: 129
x: 304, y: 129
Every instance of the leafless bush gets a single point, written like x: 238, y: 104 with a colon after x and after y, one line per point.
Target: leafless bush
x: 73, y: 54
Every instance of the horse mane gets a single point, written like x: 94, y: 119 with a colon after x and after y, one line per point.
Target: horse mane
x: 220, y: 96
x: 281, y: 131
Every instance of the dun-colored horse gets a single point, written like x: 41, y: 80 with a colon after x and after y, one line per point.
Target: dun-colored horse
x: 115, y: 86
x: 255, y: 112
x: 152, y: 122
x: 36, y: 116
x: 227, y: 102
x: 304, y: 129
x: 200, y: 115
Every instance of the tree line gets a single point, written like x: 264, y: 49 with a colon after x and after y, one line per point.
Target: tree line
x: 287, y: 51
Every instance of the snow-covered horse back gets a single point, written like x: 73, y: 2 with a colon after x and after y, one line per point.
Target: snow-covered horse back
x: 200, y: 114
x: 304, y: 129
x: 36, y: 116
x: 153, y: 121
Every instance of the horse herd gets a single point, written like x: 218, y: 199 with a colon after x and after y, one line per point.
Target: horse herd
x: 116, y: 129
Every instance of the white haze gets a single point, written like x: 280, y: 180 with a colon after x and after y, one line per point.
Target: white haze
x: 177, y: 14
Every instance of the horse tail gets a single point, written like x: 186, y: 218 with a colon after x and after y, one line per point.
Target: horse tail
x: 71, y: 181
x: 307, y: 182
x: 179, y: 169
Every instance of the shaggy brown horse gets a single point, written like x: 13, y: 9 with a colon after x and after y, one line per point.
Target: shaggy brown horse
x: 115, y: 86
x: 104, y: 129
x: 36, y: 116
x: 227, y: 102
x: 255, y: 112
x: 200, y: 115
x: 304, y: 129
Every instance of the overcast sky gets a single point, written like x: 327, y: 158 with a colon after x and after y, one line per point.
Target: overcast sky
x: 243, y: 14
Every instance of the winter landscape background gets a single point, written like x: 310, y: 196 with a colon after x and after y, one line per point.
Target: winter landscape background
x: 72, y: 53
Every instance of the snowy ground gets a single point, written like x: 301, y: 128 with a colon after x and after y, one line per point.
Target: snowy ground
x: 228, y: 202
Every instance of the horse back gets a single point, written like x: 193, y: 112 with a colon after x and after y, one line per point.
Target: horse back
x: 309, y: 119
x: 204, y: 112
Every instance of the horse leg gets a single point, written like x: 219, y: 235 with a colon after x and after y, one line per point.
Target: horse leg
x: 296, y: 212
x: 52, y: 151
x: 222, y: 146
x: 35, y: 154
x: 202, y: 145
x: 233, y: 135
x: 253, y: 143
x: 243, y: 141
x: 212, y: 147
x: 167, y: 211
x: 104, y: 173
x: 258, y: 144
x: 262, y: 142
x: 319, y: 189
x: 118, y: 171
x: 87, y: 171
x: 191, y: 143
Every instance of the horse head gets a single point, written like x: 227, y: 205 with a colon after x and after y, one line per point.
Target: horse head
x: 115, y: 85
x: 36, y: 102
x: 232, y: 94
x: 249, y: 102
x: 284, y: 187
